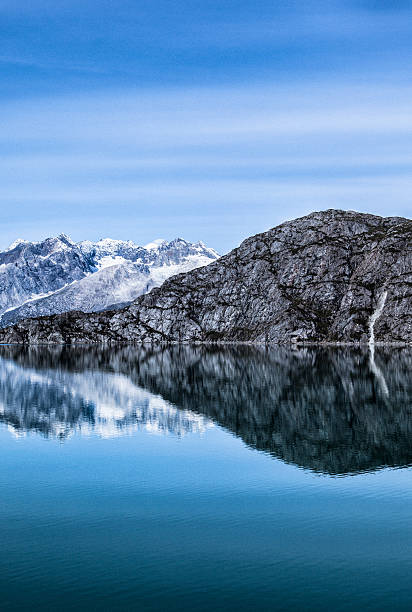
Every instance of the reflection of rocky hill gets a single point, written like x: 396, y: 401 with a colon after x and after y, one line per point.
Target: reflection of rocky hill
x: 329, y: 410
x: 324, y: 410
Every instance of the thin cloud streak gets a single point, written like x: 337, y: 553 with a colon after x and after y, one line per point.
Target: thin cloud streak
x: 239, y: 157
x: 209, y: 115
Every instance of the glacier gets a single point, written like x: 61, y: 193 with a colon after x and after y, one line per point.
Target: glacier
x: 58, y: 275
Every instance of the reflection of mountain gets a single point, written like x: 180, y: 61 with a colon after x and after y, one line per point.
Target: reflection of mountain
x: 55, y: 401
x: 322, y: 409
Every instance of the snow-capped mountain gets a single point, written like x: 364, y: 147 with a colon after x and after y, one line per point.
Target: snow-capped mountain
x: 58, y: 275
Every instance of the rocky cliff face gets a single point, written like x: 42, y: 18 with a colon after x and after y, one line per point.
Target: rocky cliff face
x: 329, y: 276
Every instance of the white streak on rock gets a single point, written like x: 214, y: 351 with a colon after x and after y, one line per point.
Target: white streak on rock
x: 375, y: 316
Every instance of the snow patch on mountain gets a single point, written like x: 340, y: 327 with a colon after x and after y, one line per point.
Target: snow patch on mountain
x: 108, y: 260
x: 155, y: 245
x: 161, y: 273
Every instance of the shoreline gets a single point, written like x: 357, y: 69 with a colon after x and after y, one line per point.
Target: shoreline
x: 335, y: 344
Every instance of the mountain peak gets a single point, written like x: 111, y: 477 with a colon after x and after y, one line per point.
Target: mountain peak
x: 16, y: 243
x: 65, y: 238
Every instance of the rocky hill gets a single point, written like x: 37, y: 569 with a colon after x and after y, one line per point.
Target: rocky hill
x: 331, y: 276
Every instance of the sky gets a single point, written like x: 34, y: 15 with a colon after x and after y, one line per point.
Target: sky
x: 208, y: 120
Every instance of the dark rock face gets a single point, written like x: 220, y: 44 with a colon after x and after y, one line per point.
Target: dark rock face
x: 331, y: 276
x: 331, y: 410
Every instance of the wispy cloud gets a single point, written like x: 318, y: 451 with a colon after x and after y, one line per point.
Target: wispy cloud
x: 240, y: 159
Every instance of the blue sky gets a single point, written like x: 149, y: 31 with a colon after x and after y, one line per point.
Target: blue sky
x: 208, y: 120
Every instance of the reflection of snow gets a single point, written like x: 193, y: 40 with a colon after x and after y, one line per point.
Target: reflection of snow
x: 377, y: 372
x: 59, y: 401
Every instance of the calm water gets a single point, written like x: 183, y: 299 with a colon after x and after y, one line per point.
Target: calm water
x: 198, y: 479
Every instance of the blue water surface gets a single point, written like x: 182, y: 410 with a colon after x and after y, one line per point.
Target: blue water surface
x: 205, y: 479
